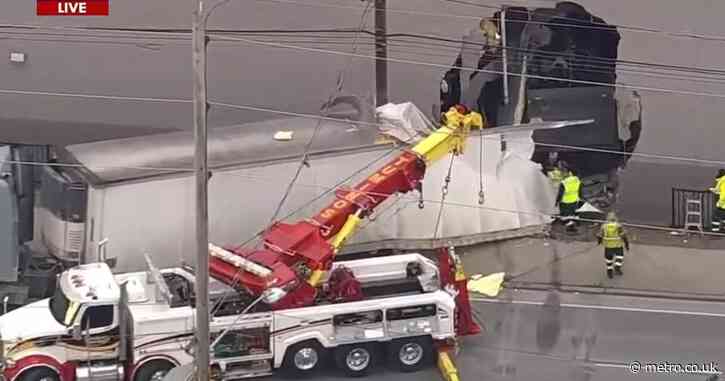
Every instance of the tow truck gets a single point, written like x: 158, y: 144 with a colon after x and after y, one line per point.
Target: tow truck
x: 290, y: 306
x: 137, y: 326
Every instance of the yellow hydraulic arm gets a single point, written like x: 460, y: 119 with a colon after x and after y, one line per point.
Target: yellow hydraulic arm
x: 449, y: 138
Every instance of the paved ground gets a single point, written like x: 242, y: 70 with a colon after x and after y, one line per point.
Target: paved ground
x: 533, y: 335
x: 589, y: 336
x: 596, y: 334
x: 647, y: 268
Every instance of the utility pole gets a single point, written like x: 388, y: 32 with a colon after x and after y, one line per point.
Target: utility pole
x: 381, y: 53
x: 201, y: 169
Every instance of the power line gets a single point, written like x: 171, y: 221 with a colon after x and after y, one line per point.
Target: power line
x: 141, y: 33
x: 343, y: 120
x: 325, y: 110
x: 325, y: 193
x: 430, y: 64
x: 389, y: 10
x: 686, y: 35
x: 397, y: 46
x: 391, y: 35
x: 595, y: 25
x: 681, y: 34
x: 632, y: 28
x: 577, y: 67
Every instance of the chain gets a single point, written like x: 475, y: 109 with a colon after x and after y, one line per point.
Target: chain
x: 443, y: 195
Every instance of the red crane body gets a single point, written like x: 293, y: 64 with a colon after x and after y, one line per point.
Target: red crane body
x: 288, y: 248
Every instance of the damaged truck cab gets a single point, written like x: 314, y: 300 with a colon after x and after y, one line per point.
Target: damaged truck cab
x: 552, y: 64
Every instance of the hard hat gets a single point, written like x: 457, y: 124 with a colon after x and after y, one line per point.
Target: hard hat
x: 611, y: 217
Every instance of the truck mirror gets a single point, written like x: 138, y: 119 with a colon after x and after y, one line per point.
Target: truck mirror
x: 101, y: 251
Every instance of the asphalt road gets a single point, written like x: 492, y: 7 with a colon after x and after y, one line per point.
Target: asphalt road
x: 532, y: 335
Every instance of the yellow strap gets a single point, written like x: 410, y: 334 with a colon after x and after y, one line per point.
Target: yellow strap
x: 71, y: 312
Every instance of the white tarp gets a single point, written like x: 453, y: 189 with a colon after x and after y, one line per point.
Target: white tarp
x: 517, y: 193
x: 404, y: 122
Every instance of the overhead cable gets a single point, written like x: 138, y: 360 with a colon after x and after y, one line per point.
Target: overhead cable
x: 304, y: 115
x: 429, y: 64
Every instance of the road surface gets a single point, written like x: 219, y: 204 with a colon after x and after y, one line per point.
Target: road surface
x: 534, y: 335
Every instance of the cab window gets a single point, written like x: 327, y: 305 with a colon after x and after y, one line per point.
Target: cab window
x: 97, y: 317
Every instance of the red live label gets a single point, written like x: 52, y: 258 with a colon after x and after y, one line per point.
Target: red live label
x: 72, y: 8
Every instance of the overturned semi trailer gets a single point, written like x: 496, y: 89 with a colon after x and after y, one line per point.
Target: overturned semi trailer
x: 139, y: 192
x: 552, y: 64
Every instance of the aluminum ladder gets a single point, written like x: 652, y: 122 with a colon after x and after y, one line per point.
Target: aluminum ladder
x: 693, y: 215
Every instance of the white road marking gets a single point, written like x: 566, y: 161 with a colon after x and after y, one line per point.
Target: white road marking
x: 608, y: 308
x: 611, y: 365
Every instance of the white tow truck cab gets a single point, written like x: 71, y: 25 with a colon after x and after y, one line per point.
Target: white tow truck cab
x: 137, y: 326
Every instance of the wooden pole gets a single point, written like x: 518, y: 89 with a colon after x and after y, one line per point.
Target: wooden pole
x: 202, y: 211
x: 381, y: 53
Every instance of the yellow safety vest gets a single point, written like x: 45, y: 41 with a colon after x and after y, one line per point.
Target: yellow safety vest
x: 720, y: 188
x: 612, y: 235
x: 571, y: 190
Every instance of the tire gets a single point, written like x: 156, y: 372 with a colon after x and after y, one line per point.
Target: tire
x: 154, y: 370
x: 356, y: 360
x: 410, y: 354
x: 39, y: 374
x: 304, y: 358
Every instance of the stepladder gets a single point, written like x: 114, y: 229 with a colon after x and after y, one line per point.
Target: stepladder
x: 693, y: 215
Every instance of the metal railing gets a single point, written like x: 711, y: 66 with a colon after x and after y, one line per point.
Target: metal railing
x: 679, y: 206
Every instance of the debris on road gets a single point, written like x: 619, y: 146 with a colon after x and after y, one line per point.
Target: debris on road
x: 489, y: 285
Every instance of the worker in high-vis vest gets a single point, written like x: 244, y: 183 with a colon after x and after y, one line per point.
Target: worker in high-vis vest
x: 718, y: 215
x: 569, y: 198
x: 614, y: 238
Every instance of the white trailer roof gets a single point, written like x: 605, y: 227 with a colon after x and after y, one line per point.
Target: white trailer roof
x: 106, y: 162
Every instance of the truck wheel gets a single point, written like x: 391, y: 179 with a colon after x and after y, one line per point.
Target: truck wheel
x: 356, y: 360
x: 39, y: 374
x: 304, y: 358
x: 154, y: 370
x: 410, y: 354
